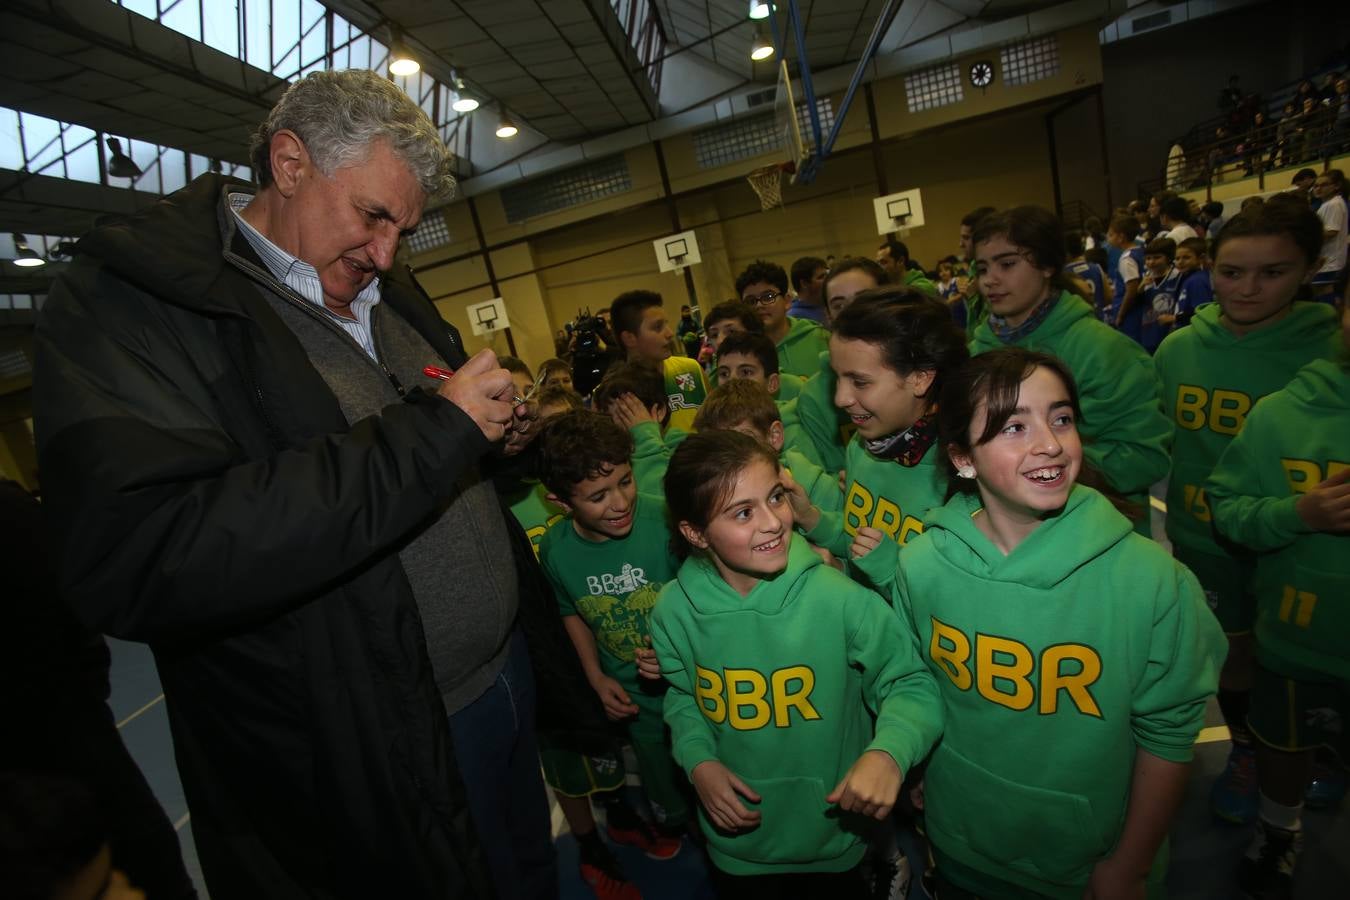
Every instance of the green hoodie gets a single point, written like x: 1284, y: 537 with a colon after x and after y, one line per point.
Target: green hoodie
x: 1211, y: 378
x: 821, y: 486
x: 800, y: 348
x: 794, y: 435
x: 1294, y: 439
x: 812, y: 655
x: 1055, y: 662
x: 789, y: 386
x: 916, y: 279
x: 1126, y: 435
x: 828, y: 426
x: 882, y: 494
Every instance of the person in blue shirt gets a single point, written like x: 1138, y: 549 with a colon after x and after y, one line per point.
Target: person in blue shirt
x: 1125, y: 313
x: 808, y: 283
x: 1158, y: 292
x: 1196, y: 289
x: 1090, y: 274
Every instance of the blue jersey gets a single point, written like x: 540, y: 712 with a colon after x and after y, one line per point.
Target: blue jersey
x: 1093, y: 275
x: 1159, y: 299
x: 1196, y: 290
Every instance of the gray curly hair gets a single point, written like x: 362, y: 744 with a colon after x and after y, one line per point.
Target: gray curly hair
x: 337, y: 114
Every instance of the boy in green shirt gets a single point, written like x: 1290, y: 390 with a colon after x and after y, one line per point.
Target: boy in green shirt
x: 764, y: 285
x: 743, y: 405
x: 641, y: 329
x: 633, y: 395
x: 607, y: 562
x: 751, y: 357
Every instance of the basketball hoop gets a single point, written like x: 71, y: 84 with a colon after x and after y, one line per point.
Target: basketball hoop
x: 768, y: 183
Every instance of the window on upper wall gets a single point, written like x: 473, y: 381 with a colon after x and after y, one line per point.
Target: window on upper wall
x: 565, y: 189
x: 1030, y: 61
x: 755, y: 135
x: 432, y: 232
x: 934, y: 87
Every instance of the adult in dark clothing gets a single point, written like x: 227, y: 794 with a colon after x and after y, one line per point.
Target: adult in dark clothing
x: 247, y: 469
x: 54, y: 693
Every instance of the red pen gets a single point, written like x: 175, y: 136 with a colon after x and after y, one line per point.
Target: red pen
x: 447, y: 374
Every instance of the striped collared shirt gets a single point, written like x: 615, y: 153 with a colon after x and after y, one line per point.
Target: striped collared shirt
x: 303, y: 278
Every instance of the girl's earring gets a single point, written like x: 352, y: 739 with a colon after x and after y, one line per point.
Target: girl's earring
x: 966, y: 471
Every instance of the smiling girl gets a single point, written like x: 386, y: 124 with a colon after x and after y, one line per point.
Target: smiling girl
x: 1019, y: 261
x: 1236, y: 351
x: 755, y: 631
x: 1074, y: 657
x: 890, y: 350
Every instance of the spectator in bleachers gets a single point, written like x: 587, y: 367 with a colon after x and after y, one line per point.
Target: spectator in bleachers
x: 1339, y: 138
x: 1310, y: 130
x: 1256, y: 146
x: 1330, y: 189
x: 1283, y: 154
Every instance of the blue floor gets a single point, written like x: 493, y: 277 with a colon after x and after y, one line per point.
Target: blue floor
x: 1204, y: 854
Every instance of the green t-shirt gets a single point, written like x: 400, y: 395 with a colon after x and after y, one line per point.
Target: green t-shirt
x: 612, y: 584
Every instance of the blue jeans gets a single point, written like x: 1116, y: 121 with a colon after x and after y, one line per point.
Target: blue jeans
x: 498, y: 757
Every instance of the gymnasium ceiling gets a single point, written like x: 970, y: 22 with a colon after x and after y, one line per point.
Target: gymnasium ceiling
x: 565, y: 69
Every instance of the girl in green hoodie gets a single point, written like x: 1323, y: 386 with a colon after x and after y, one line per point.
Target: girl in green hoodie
x: 890, y: 351
x: 1019, y: 259
x: 1282, y: 488
x: 777, y: 666
x: 1236, y: 351
x: 1074, y: 657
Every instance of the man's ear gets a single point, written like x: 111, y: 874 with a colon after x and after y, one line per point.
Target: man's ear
x: 773, y: 383
x: 776, y: 436
x: 693, y: 535
x: 290, y: 159
x: 558, y: 502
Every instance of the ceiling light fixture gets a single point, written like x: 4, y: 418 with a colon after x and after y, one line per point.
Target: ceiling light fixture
x: 119, y: 164
x: 401, y: 62
x: 26, y: 257
x: 463, y: 102
x: 759, y: 9
x: 760, y: 49
x: 506, y: 129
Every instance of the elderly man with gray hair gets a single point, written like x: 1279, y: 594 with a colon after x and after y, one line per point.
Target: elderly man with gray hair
x: 248, y: 470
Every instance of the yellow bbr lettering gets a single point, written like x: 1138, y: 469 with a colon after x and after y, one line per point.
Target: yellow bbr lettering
x: 857, y: 507
x: 990, y: 655
x: 950, y: 648
x: 1229, y: 411
x: 784, y: 701
x: 747, y: 705
x: 911, y: 527
x: 753, y: 698
x: 1191, y: 402
x: 1302, y: 474
x: 887, y: 518
x: 708, y: 693
x: 1054, y: 679
x: 1004, y: 670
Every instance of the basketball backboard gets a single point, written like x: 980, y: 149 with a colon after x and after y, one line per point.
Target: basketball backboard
x: 488, y: 316
x: 898, y: 212
x: 676, y: 251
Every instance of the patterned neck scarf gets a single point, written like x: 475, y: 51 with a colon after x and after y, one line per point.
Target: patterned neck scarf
x: 909, y: 446
x: 1010, y: 334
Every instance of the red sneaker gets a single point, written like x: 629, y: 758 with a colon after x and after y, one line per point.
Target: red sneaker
x: 647, y: 839
x: 608, y: 882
